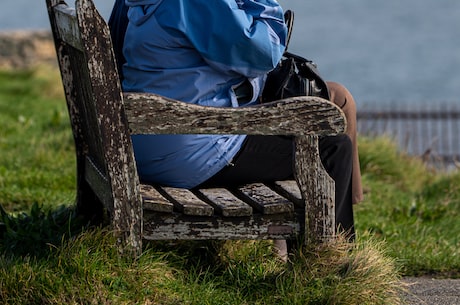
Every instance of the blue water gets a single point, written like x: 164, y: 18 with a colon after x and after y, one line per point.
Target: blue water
x: 391, y: 50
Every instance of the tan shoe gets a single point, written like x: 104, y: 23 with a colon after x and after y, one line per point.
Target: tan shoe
x: 280, y: 246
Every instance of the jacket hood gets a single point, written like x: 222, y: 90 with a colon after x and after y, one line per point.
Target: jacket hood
x: 141, y: 10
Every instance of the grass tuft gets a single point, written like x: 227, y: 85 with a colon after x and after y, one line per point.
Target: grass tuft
x: 88, y: 270
x: 345, y: 273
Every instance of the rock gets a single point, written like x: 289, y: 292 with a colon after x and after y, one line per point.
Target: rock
x: 26, y: 49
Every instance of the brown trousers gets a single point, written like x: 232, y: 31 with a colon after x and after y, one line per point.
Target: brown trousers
x: 343, y: 98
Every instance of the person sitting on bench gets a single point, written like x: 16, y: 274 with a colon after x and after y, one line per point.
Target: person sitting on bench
x: 217, y: 53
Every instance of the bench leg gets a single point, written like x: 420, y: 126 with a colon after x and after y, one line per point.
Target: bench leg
x: 318, y: 191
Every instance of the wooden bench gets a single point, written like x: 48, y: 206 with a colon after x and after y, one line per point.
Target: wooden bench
x: 103, y: 118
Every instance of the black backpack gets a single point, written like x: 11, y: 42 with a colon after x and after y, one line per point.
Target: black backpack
x: 294, y: 75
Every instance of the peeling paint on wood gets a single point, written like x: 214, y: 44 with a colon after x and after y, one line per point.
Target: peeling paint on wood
x: 294, y: 116
x: 265, y: 200
x: 317, y: 188
x: 179, y: 226
x: 101, y: 131
x: 154, y: 201
x: 225, y: 203
x: 289, y: 189
x: 188, y: 203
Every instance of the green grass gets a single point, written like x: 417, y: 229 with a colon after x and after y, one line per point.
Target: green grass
x: 36, y: 144
x: 88, y: 270
x: 48, y: 255
x: 415, y: 210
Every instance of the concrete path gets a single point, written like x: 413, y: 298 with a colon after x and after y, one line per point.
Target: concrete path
x: 428, y: 291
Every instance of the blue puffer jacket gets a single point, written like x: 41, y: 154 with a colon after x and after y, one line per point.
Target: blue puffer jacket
x: 196, y: 51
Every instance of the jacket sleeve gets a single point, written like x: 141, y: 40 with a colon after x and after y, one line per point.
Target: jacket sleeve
x: 244, y: 36
x: 118, y: 22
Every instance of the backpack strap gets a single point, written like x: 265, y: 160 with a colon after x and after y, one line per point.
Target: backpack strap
x: 289, y: 20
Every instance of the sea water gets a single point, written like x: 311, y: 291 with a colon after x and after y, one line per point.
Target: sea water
x: 383, y: 51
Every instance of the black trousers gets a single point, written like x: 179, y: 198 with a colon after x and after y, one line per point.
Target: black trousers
x: 271, y: 158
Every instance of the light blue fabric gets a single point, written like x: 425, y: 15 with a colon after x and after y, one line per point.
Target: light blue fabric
x: 196, y: 51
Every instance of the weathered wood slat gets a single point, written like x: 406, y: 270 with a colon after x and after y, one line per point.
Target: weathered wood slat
x: 66, y: 21
x: 225, y: 203
x: 161, y: 226
x: 290, y: 190
x: 152, y: 200
x: 264, y: 200
x: 186, y: 202
x: 293, y: 116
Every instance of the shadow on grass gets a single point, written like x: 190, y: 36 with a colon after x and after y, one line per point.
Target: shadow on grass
x: 173, y: 272
x: 36, y: 232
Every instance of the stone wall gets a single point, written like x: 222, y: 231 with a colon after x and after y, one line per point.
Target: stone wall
x: 26, y: 49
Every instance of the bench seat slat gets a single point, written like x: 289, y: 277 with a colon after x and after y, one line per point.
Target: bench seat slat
x: 152, y: 200
x: 265, y: 200
x: 290, y: 190
x: 186, y: 202
x: 225, y: 203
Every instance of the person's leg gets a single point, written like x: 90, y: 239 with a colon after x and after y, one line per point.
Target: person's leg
x: 261, y: 158
x: 336, y: 156
x: 340, y: 96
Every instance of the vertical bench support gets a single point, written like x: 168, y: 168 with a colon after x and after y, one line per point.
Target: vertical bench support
x: 99, y: 123
x: 116, y: 141
x: 315, y: 184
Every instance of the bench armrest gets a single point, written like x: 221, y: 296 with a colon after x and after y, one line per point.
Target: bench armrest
x: 306, y: 115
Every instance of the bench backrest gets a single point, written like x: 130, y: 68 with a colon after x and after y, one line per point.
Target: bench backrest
x: 106, y: 171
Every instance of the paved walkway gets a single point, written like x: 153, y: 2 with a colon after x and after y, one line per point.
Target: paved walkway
x: 428, y: 291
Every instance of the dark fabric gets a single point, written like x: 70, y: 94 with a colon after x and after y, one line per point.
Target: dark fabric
x: 294, y: 76
x: 337, y: 158
x: 271, y: 158
x: 118, y: 22
x: 261, y: 159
